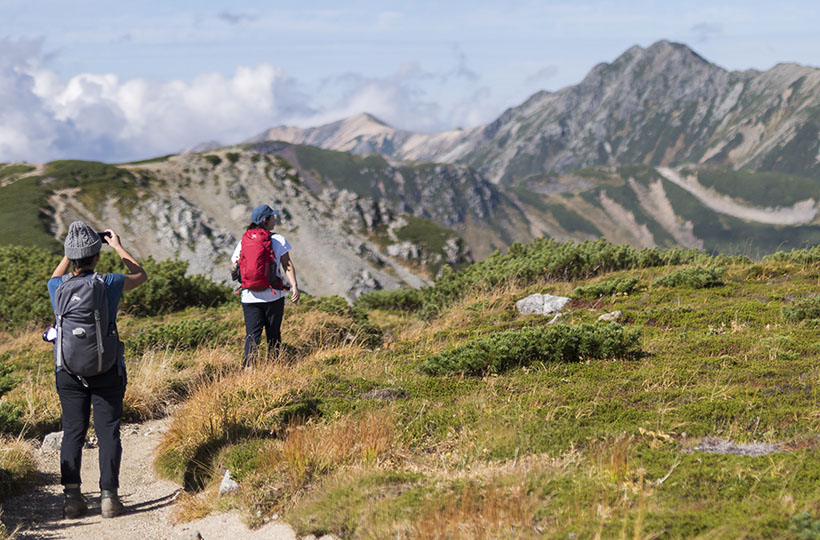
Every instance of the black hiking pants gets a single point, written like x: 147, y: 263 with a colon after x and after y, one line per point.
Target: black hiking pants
x: 258, y: 316
x: 105, y: 392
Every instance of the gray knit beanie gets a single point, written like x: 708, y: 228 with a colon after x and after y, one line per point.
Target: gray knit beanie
x: 81, y: 241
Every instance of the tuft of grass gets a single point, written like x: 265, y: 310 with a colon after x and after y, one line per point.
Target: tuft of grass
x: 16, y: 464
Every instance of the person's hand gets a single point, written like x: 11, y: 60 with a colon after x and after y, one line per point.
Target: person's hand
x: 294, y: 297
x: 113, y: 239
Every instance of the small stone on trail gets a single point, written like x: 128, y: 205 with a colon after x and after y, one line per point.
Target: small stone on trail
x: 52, y: 442
x: 228, y: 485
x: 542, y: 304
x: 614, y: 316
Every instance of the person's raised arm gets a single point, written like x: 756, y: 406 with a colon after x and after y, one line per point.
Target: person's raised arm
x: 290, y: 272
x: 62, y: 267
x: 136, y: 275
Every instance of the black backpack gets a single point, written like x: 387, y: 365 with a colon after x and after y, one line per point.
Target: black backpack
x: 86, y: 343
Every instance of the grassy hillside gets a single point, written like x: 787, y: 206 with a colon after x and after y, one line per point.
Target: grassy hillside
x: 444, y: 412
x: 23, y: 220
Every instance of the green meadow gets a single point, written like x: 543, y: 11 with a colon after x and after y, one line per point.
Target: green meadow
x: 444, y: 413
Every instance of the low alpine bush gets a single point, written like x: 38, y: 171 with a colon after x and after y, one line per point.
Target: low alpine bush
x: 184, y: 334
x: 398, y: 299
x: 502, y: 351
x: 606, y: 288
x: 694, y: 278
x: 802, y: 310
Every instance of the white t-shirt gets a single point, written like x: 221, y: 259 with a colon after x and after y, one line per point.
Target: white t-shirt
x: 280, y: 246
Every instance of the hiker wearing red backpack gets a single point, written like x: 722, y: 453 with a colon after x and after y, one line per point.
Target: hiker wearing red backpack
x: 258, y: 257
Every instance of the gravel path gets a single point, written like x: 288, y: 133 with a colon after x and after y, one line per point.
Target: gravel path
x: 148, y: 501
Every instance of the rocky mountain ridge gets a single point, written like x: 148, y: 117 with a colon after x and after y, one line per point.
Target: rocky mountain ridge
x: 662, y: 105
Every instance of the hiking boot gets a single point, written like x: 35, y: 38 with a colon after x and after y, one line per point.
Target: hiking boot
x: 110, y: 504
x: 74, y: 504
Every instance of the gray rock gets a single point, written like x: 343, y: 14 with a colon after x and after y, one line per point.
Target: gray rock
x: 387, y: 394
x: 228, y: 485
x: 363, y: 282
x: 542, y: 304
x: 716, y: 445
x: 52, y: 442
x: 613, y: 316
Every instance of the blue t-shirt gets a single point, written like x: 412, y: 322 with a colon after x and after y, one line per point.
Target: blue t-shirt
x: 113, y: 283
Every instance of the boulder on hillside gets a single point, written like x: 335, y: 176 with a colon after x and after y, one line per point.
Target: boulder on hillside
x: 52, y: 442
x: 541, y: 304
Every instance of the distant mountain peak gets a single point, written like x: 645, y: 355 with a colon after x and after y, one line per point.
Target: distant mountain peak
x: 367, y: 117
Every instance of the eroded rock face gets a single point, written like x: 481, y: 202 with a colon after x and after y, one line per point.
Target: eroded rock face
x: 541, y: 304
x: 195, y: 208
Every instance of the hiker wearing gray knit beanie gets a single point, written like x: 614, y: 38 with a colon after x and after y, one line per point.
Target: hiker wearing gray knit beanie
x: 82, y: 311
x: 81, y: 241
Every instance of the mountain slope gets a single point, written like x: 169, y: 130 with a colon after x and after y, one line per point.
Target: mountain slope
x: 195, y: 207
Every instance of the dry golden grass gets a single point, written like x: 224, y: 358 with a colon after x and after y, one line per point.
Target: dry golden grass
x: 247, y: 400
x: 312, y: 450
x: 155, y: 381
x: 17, y: 456
x: 478, y: 512
x: 191, y: 506
x: 27, y: 339
x: 315, y: 330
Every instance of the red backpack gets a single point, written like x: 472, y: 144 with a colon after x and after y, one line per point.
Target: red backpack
x: 255, y: 259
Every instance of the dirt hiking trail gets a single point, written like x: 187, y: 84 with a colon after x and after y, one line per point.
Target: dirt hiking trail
x: 37, y: 510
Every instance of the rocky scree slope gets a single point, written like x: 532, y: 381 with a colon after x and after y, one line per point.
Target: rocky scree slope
x: 450, y: 195
x: 196, y: 206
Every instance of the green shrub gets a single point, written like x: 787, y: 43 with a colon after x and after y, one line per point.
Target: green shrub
x: 802, y: 310
x: 24, y: 272
x: 546, y: 259
x: 168, y: 288
x: 607, y: 288
x: 515, y: 348
x: 695, y: 278
x: 397, y: 299
x: 798, y: 256
x: 804, y: 527
x: 213, y: 160
x: 184, y: 334
x: 233, y: 157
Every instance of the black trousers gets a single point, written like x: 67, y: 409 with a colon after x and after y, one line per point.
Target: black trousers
x: 105, y: 392
x: 258, y: 316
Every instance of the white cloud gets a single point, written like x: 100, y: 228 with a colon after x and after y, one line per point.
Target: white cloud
x: 705, y: 31
x: 44, y: 116
x: 542, y: 75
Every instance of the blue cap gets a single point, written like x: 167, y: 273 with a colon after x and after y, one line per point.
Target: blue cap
x: 261, y: 213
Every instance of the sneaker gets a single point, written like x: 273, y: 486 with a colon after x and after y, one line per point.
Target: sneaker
x: 74, y: 505
x: 110, y: 504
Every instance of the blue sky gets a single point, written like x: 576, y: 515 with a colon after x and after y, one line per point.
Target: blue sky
x: 116, y: 81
